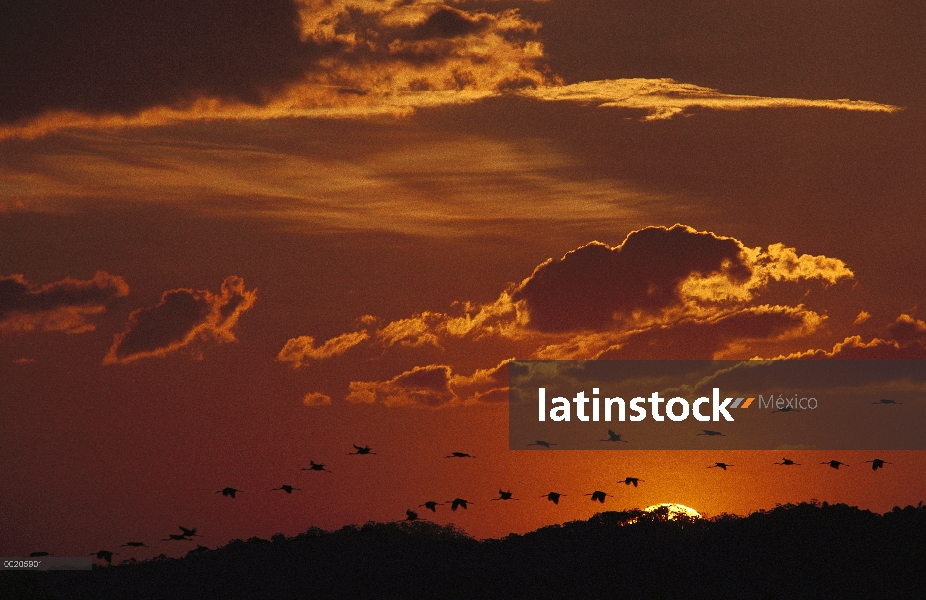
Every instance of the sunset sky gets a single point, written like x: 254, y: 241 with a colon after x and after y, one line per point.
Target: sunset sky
x: 236, y: 237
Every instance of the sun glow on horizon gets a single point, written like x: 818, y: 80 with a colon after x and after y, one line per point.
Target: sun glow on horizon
x: 673, y: 511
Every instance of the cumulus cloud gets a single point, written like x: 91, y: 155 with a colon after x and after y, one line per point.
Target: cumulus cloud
x: 662, y: 293
x: 184, y: 319
x: 316, y: 399
x: 667, y: 98
x: 905, y: 339
x: 64, y: 305
x: 299, y: 351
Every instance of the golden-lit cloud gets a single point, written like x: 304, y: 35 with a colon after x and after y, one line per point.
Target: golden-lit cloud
x: 666, y: 98
x: 662, y: 293
x: 185, y: 320
x: 316, y: 399
x: 299, y: 351
x: 65, y: 305
x: 905, y: 339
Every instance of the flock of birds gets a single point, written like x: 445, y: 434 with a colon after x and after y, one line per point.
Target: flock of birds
x: 187, y: 534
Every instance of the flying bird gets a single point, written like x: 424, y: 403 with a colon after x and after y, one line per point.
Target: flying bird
x: 877, y: 463
x: 177, y: 537
x: 502, y: 495
x: 459, y: 455
x: 835, y: 464
x: 189, y: 532
x: 785, y: 409
x: 104, y: 555
x: 37, y: 554
x: 553, y: 497
x: 721, y: 465
x: 886, y: 401
x: 411, y: 515
x: 287, y: 488
x: 614, y: 437
x: 710, y: 433
x: 229, y: 491
x: 542, y: 443
x: 598, y: 496
x: 361, y: 450
x: 314, y: 466
x: 632, y: 481
x: 135, y: 544
x: 431, y: 505
x: 458, y: 503
x: 787, y: 462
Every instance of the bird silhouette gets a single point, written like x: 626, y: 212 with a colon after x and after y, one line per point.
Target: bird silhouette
x: 835, y: 464
x: 189, y: 532
x: 877, y: 463
x: 614, y: 437
x: 229, y: 491
x: 886, y: 401
x: 104, y: 555
x: 431, y: 505
x: 785, y: 409
x: 598, y: 496
x: 411, y: 515
x: 710, y: 433
x: 287, y: 488
x: 37, y: 554
x: 314, y: 466
x: 553, y: 497
x: 542, y: 443
x: 787, y: 462
x: 177, y: 537
x: 502, y: 495
x: 459, y: 503
x: 361, y: 450
x: 721, y: 465
x: 459, y: 455
x: 135, y: 544
x: 632, y: 481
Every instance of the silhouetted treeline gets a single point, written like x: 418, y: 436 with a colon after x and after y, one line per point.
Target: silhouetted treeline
x: 794, y: 551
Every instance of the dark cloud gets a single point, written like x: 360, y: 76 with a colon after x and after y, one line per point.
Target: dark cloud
x: 60, y: 306
x: 102, y: 56
x: 421, y: 386
x: 183, y: 319
x: 590, y: 287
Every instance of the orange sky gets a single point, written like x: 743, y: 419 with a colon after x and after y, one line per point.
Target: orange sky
x: 248, y: 239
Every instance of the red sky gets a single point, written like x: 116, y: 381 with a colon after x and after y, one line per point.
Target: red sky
x: 241, y: 239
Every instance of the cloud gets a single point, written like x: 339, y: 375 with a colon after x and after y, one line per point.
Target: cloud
x: 316, y: 399
x: 64, y: 305
x: 905, y: 339
x: 662, y: 293
x: 24, y: 361
x: 666, y: 98
x: 184, y: 319
x: 861, y: 317
x: 659, y: 272
x: 302, y: 349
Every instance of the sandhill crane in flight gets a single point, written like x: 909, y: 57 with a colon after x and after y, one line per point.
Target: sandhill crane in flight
x: 720, y: 465
x: 136, y: 544
x: 459, y: 503
x: 411, y: 515
x: 553, y: 497
x: 229, y: 491
x: 886, y: 401
x: 787, y: 462
x: 189, y: 532
x: 104, y: 555
x: 459, y: 455
x: 177, y: 537
x: 314, y: 466
x: 710, y: 433
x: 287, y: 488
x: 361, y: 450
x: 598, y: 496
x: 835, y: 464
x: 503, y: 495
x: 632, y: 481
x: 542, y: 443
x: 877, y: 463
x: 431, y: 505
x: 614, y: 437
